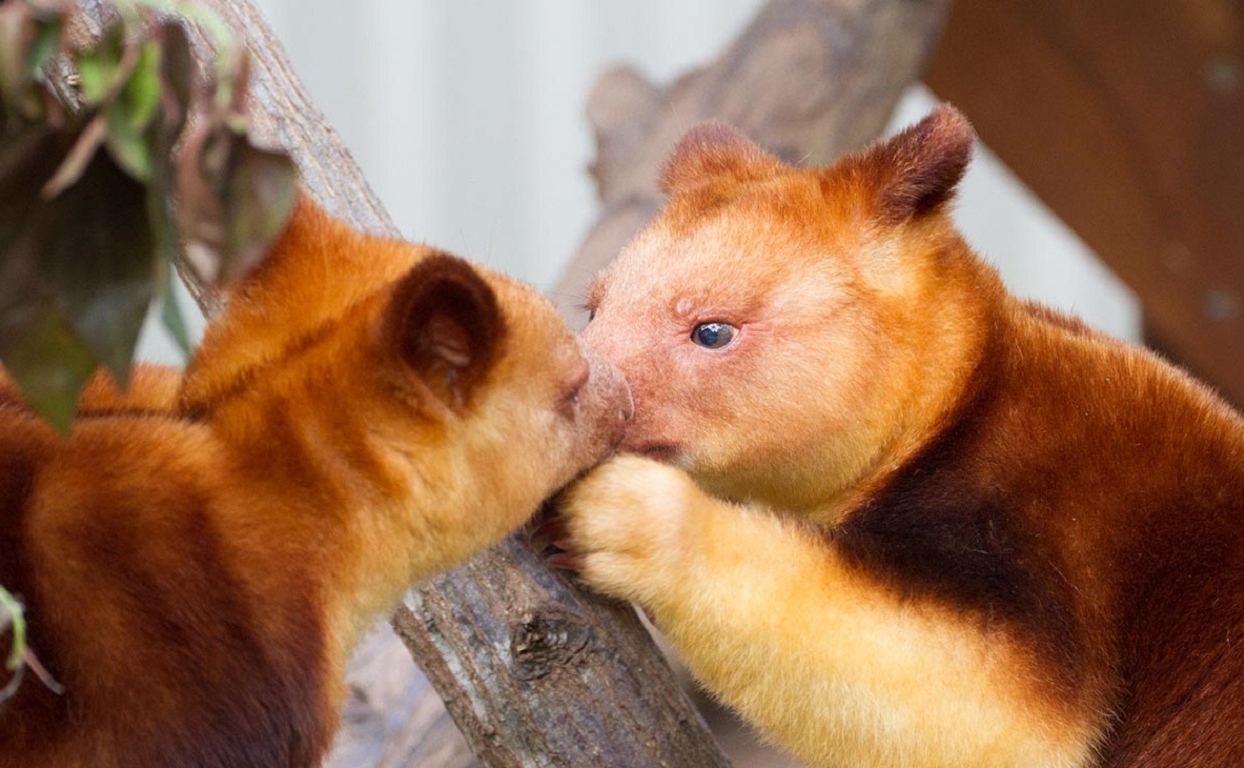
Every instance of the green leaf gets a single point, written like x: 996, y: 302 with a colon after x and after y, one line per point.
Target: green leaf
x: 141, y: 94
x: 77, y: 274
x: 100, y: 67
x: 12, y: 619
x: 41, y: 352
x: 105, y: 268
x: 11, y: 613
x: 43, y: 48
x: 86, y: 236
x: 128, y: 144
x: 131, y: 113
x: 92, y: 77
x: 177, y: 81
x: 260, y: 195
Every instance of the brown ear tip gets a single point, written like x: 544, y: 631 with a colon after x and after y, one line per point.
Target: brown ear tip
x: 446, y: 322
x: 918, y: 170
x: 439, y: 265
x: 949, y: 116
x: 950, y: 128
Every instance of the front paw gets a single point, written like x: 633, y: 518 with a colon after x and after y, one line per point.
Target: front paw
x: 625, y: 527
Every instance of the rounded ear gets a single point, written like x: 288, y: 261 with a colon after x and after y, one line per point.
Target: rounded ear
x: 447, y: 326
x: 916, y: 171
x: 714, y: 150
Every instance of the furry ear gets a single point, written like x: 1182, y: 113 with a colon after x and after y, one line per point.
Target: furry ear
x: 916, y: 172
x: 713, y: 150
x: 447, y: 325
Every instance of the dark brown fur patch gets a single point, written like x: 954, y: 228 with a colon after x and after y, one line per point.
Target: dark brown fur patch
x: 916, y: 171
x: 1181, y: 613
x: 1089, y: 501
x: 939, y: 530
x: 447, y: 325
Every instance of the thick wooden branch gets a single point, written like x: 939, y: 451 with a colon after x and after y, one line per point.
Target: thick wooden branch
x: 538, y: 673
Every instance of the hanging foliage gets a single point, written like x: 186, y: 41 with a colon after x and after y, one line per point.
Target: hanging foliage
x: 89, y: 232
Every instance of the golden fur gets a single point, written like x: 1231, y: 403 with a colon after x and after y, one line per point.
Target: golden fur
x: 200, y: 554
x: 902, y: 517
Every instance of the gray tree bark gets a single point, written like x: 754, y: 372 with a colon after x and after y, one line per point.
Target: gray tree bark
x: 534, y: 671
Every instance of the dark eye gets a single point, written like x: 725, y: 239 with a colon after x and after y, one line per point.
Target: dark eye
x: 713, y: 335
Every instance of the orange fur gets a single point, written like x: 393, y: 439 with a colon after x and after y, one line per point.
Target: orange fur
x: 910, y: 519
x: 199, y: 556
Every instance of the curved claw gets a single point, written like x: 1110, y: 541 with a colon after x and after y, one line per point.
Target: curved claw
x: 549, y: 532
x: 566, y: 561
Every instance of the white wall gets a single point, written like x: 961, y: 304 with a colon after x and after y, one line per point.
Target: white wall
x: 467, y: 118
x: 467, y: 115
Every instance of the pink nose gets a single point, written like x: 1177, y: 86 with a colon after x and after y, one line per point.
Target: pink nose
x: 613, y: 396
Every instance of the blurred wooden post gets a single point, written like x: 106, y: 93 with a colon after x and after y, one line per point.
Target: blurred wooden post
x: 1127, y: 118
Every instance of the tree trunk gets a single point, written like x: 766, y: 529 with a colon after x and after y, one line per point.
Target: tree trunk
x: 534, y: 671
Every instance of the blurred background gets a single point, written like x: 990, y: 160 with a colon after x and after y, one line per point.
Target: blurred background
x: 468, y: 120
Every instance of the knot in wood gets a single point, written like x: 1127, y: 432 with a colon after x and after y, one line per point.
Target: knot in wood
x: 546, y: 639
